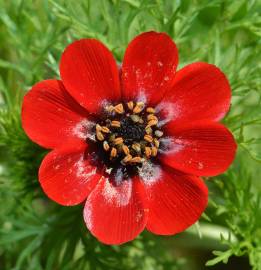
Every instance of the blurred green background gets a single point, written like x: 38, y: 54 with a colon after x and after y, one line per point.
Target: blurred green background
x: 35, y: 233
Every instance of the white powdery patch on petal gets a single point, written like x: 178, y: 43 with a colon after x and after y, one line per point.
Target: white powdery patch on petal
x: 169, y: 110
x: 142, y: 96
x: 56, y: 167
x: 68, y: 201
x: 118, y: 176
x: 83, y: 130
x: 150, y: 173
x: 160, y: 64
x: 87, y: 214
x: 73, y: 194
x: 182, y: 141
x: 105, y: 103
x: 169, y: 145
x: 83, y: 170
x: 120, y: 195
x: 200, y: 166
x: 166, y: 78
x: 88, y: 209
x: 139, y: 215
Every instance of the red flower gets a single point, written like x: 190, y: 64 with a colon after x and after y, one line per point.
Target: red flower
x: 132, y: 141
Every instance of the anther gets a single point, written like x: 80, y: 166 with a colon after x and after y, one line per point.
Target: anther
x: 136, y: 160
x: 152, y: 117
x: 106, y: 146
x: 105, y: 129
x: 139, y: 107
x: 115, y: 123
x: 154, y: 151
x: 130, y: 105
x: 156, y: 142
x: 136, y: 147
x: 148, y: 130
x: 125, y: 149
x: 118, y: 141
x: 113, y: 152
x: 151, y: 123
x: 119, y: 108
x: 150, y: 110
x: 158, y: 133
x: 135, y: 118
x: 127, y: 158
x: 140, y: 103
x: 109, y: 108
x: 147, y: 151
x: 99, y: 136
x: 98, y: 127
x: 148, y: 138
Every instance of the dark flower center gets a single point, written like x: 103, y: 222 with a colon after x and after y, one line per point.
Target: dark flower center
x: 128, y: 134
x: 131, y: 131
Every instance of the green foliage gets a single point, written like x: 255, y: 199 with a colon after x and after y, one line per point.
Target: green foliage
x: 58, y: 239
x: 37, y: 234
x: 239, y: 208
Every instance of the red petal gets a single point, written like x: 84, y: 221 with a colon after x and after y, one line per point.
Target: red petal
x: 66, y: 174
x: 200, y: 91
x: 90, y: 74
x: 201, y: 148
x: 149, y: 67
x: 50, y: 115
x: 115, y: 214
x: 176, y: 201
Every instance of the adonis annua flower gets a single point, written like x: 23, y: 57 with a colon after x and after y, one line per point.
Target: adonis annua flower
x: 131, y: 142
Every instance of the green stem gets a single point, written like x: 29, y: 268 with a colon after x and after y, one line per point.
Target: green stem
x: 207, y: 236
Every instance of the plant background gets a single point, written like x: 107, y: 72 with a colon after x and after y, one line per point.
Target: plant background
x: 36, y: 233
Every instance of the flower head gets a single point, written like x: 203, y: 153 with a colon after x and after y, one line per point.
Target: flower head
x: 133, y: 141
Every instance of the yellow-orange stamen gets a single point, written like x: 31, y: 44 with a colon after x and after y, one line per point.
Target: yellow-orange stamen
x: 154, y: 151
x: 147, y: 151
x: 130, y: 105
x: 127, y: 158
x: 115, y: 123
x: 136, y: 160
x: 148, y: 138
x: 106, y: 146
x: 125, y: 149
x: 99, y: 136
x: 119, y: 108
x: 118, y: 141
x: 150, y: 110
x: 105, y: 129
x: 113, y: 152
x: 156, y: 142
